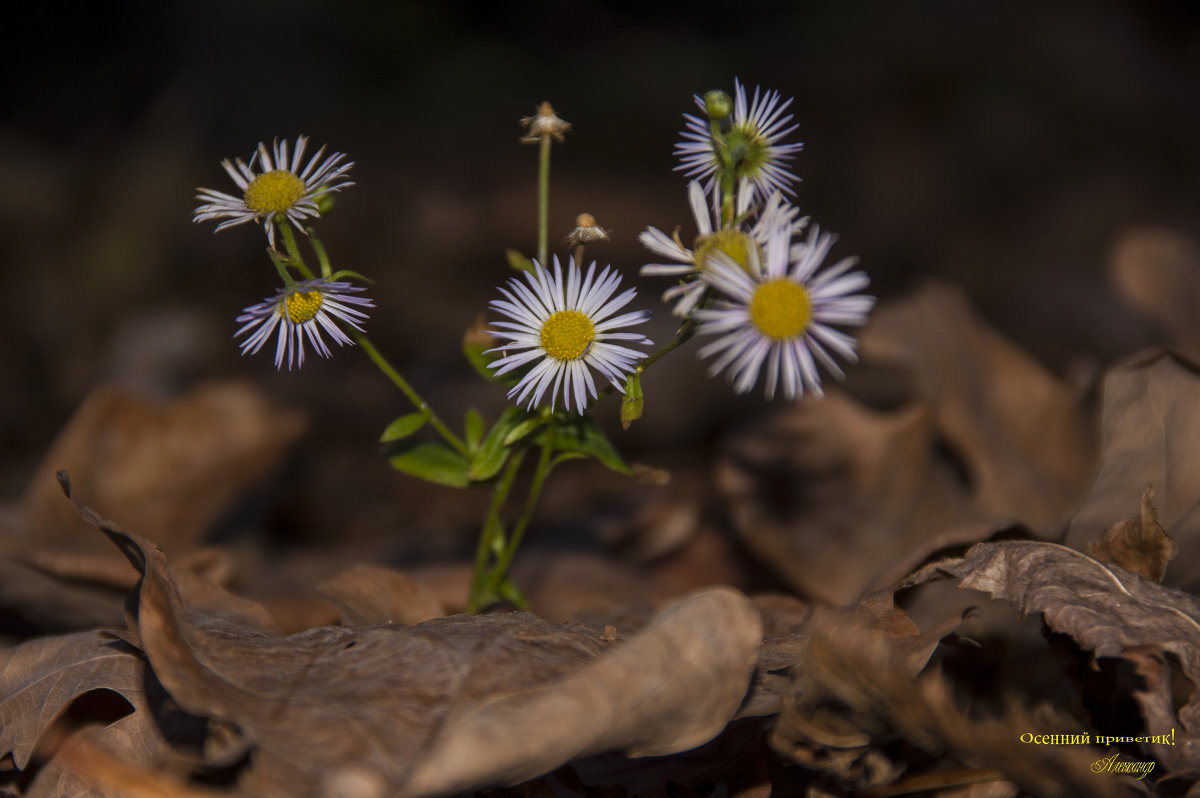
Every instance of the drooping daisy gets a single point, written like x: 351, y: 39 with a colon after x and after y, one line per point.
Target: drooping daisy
x: 273, y: 186
x: 565, y: 326
x: 778, y: 314
x: 755, y: 132
x: 734, y: 242
x: 302, y: 311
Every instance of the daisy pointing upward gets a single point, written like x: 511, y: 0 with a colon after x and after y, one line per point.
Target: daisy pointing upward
x: 564, y: 327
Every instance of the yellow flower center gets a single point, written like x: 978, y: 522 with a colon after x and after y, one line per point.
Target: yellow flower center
x: 733, y: 243
x: 274, y: 191
x: 302, y: 306
x: 567, y: 334
x: 781, y: 309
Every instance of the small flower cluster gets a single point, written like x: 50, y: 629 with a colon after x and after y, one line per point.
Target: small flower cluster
x: 275, y: 191
x: 752, y: 278
x: 747, y: 279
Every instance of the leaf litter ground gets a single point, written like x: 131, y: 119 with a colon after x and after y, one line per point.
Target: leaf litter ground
x: 797, y: 622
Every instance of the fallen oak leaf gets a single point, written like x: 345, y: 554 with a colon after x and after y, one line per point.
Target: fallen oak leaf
x: 42, y: 677
x: 376, y: 705
x: 858, y: 678
x: 1109, y: 611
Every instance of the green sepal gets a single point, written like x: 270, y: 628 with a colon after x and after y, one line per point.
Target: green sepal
x: 342, y: 273
x: 473, y: 429
x: 517, y: 261
x: 433, y: 462
x: 633, y: 401
x: 580, y: 436
x: 493, y: 452
x: 403, y: 427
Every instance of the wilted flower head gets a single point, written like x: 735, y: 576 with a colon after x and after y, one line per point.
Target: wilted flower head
x: 779, y: 311
x: 302, y: 311
x: 755, y: 130
x: 544, y: 123
x: 564, y: 327
x: 274, y: 186
x: 586, y: 231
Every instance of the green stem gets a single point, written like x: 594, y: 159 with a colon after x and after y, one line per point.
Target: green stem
x: 289, y: 240
x: 492, y: 530
x: 322, y: 255
x: 500, y: 569
x: 686, y: 330
x: 409, y: 392
x: 543, y: 200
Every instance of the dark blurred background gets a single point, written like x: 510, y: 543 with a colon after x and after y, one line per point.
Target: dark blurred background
x: 1000, y: 146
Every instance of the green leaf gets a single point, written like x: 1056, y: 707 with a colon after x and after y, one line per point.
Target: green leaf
x: 473, y: 428
x: 403, y: 427
x: 581, y: 436
x: 508, y: 591
x: 524, y: 428
x: 517, y: 261
x: 433, y: 462
x: 494, y: 451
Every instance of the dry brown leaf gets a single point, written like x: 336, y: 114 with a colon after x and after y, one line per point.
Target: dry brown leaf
x: 1158, y: 271
x: 101, y: 682
x: 35, y: 602
x: 835, y: 494
x: 669, y: 688
x: 1138, y: 544
x: 451, y: 704
x: 368, y: 594
x: 170, y: 468
x: 1112, y: 613
x: 1150, y: 432
x: 43, y: 676
x: 855, y: 690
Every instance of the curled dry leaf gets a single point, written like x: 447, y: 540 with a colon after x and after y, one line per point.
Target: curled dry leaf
x: 1150, y: 435
x: 835, y: 494
x: 43, y: 677
x: 100, y: 680
x: 1138, y: 544
x: 448, y: 705
x: 856, y: 693
x: 1110, y: 612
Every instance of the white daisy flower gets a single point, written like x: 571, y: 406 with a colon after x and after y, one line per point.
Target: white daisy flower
x: 301, y: 311
x: 779, y: 313
x: 566, y: 326
x: 734, y: 242
x: 274, y: 185
x: 755, y: 132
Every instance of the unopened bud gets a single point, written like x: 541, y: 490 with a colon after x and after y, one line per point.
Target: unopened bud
x: 633, y: 401
x: 717, y: 105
